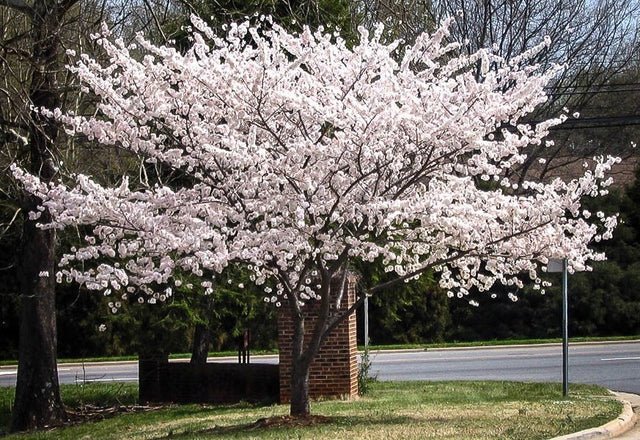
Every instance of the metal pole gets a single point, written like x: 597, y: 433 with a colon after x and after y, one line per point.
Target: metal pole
x: 565, y: 331
x: 366, y: 323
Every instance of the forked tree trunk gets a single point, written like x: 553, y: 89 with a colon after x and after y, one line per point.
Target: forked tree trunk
x: 303, y: 354
x: 37, y: 401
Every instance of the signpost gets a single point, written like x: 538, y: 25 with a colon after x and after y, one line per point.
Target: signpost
x: 366, y: 323
x: 557, y: 265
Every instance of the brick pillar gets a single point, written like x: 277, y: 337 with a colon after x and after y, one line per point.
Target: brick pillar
x: 334, y: 371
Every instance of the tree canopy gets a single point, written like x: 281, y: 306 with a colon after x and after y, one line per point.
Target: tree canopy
x: 301, y: 155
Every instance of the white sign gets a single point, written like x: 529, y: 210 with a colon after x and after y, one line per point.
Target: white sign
x: 555, y: 265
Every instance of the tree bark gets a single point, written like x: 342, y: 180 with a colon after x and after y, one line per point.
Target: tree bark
x: 303, y: 354
x: 300, y: 389
x: 200, y: 348
x: 37, y: 401
x: 300, y: 363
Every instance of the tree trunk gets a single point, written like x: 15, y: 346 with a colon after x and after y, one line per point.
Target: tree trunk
x: 302, y: 355
x: 300, y: 389
x: 200, y: 348
x: 37, y: 401
x: 300, y: 363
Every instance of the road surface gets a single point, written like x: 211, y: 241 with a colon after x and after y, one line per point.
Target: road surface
x: 613, y: 365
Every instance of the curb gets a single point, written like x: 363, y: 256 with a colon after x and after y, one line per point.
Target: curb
x: 615, y: 427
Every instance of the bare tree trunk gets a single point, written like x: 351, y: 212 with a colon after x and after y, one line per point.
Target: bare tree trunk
x: 201, y: 342
x: 37, y: 402
x: 303, y: 354
x: 300, y: 390
x: 300, y: 363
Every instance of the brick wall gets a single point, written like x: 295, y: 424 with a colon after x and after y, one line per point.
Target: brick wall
x: 334, y: 371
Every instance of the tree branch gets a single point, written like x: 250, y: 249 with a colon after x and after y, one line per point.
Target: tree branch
x: 155, y: 19
x: 13, y: 124
x: 65, y: 5
x: 17, y: 5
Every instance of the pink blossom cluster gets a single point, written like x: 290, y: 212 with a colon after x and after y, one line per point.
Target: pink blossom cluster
x: 303, y: 155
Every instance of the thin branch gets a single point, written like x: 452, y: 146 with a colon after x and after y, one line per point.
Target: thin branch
x: 11, y: 222
x: 13, y: 124
x: 65, y: 5
x: 17, y: 5
x: 155, y: 19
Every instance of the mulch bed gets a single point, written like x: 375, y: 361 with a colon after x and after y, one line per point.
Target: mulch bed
x: 91, y: 413
x: 275, y: 422
x: 290, y: 421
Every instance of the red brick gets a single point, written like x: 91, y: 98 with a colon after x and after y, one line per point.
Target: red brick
x: 334, y: 372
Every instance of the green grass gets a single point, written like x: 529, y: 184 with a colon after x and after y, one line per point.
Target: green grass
x: 408, y: 410
x: 76, y: 397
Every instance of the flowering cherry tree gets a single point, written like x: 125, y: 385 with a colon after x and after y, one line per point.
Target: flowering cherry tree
x: 301, y: 155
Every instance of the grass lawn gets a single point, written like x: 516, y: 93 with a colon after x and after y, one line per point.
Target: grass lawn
x: 406, y: 410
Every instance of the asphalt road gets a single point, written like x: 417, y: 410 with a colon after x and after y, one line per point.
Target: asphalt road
x: 613, y: 365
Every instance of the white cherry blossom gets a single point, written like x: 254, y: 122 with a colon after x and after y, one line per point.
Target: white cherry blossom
x: 300, y: 155
x: 303, y: 154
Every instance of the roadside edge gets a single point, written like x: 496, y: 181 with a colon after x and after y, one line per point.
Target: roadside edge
x: 616, y: 427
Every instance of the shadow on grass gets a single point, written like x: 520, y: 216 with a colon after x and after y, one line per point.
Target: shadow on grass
x: 289, y: 422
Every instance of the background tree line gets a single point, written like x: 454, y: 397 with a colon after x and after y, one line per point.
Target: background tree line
x: 600, y: 42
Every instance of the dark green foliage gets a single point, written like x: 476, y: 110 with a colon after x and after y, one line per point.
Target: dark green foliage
x: 607, y: 301
x: 10, y: 235
x: 406, y: 313
x: 9, y: 300
x: 232, y: 309
x: 157, y: 330
x: 603, y: 302
x: 291, y: 14
x: 332, y: 15
x: 79, y: 314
